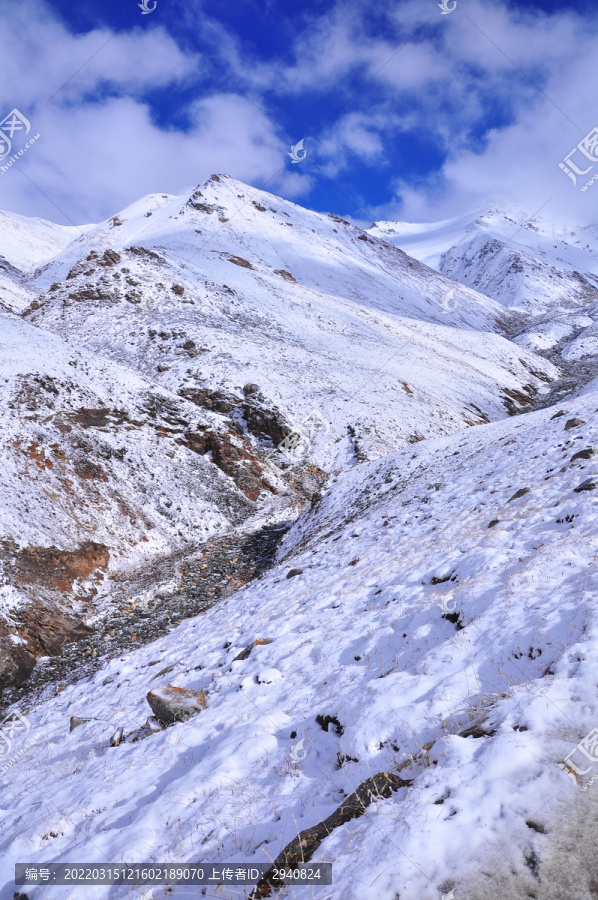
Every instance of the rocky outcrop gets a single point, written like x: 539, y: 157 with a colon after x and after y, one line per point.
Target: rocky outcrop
x: 231, y: 454
x: 54, y: 582
x: 54, y: 569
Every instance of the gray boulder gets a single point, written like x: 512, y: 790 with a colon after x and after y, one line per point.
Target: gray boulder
x: 174, y: 704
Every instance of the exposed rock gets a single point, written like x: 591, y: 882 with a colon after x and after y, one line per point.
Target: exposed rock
x: 264, y: 423
x: 440, y: 579
x: 586, y: 453
x: 284, y: 274
x: 91, y: 293
x: 117, y: 737
x: 293, y: 572
x: 520, y: 493
x: 45, y: 575
x: 102, y: 417
x: 519, y: 401
x: 239, y: 261
x: 178, y: 289
x: 572, y: 423
x: 110, y: 258
x: 141, y: 251
x: 232, y: 455
x: 174, y: 704
x: 259, y: 420
x: 454, y: 618
x: 245, y: 653
x: 43, y: 631
x: 54, y: 568
x: 76, y: 721
x: 209, y: 399
x: 163, y: 671
x: 301, y: 849
x: 139, y: 734
x: 589, y: 484
x: 326, y: 721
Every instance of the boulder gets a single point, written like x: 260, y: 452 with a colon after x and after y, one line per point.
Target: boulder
x: 76, y: 721
x: 586, y: 453
x: 172, y: 704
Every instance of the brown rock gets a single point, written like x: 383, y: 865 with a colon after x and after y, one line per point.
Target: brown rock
x: 231, y: 456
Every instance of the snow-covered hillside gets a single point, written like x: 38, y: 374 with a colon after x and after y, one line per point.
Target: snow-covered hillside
x: 543, y: 269
x: 102, y: 471
x: 222, y: 403
x: 526, y: 264
x: 442, y: 614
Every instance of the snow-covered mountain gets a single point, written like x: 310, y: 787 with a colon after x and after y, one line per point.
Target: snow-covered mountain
x: 528, y: 264
x: 388, y: 637
x: 534, y: 266
x: 232, y: 285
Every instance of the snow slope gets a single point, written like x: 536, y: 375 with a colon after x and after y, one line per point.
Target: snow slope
x: 361, y: 634
x: 29, y: 242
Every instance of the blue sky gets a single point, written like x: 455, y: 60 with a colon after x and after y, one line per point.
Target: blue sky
x: 406, y: 113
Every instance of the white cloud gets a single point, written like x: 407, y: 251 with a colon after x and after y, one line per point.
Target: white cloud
x: 92, y: 160
x: 39, y: 55
x: 99, y: 150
